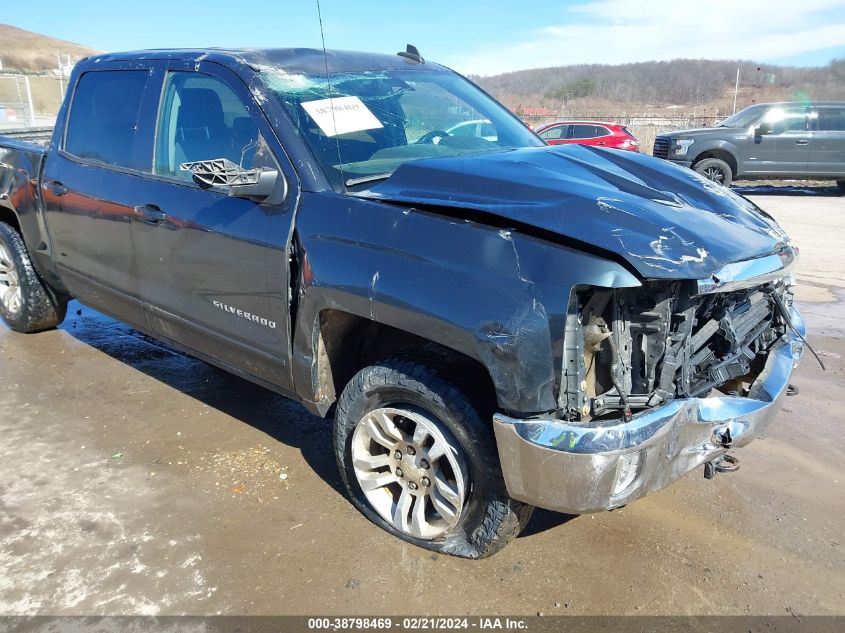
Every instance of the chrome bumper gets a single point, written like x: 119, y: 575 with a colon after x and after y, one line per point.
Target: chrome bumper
x: 578, y: 469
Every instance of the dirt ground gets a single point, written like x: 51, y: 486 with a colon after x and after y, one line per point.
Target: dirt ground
x: 136, y: 480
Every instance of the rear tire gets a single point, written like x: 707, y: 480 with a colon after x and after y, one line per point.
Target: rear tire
x: 401, y: 413
x: 25, y: 304
x: 841, y: 185
x: 715, y: 169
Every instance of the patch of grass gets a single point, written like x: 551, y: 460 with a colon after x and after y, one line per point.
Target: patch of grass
x: 47, y: 92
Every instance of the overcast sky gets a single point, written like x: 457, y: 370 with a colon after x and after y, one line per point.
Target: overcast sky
x: 472, y: 37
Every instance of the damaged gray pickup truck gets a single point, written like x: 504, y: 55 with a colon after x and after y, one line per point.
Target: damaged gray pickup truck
x: 493, y: 324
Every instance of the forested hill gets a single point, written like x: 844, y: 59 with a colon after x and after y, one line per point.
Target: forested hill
x: 684, y: 82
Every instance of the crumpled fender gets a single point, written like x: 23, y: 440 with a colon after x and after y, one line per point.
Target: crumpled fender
x: 494, y: 295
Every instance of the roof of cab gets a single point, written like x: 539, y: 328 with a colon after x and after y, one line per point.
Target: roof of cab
x: 303, y: 60
x: 798, y: 103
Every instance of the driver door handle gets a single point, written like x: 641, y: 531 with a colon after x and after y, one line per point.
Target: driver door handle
x: 802, y: 141
x: 150, y: 213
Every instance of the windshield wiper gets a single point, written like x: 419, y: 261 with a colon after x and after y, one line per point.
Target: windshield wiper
x: 372, y: 178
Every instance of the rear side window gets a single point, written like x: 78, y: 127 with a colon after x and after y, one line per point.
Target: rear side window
x: 103, y: 120
x: 589, y: 131
x: 831, y: 119
x: 583, y: 131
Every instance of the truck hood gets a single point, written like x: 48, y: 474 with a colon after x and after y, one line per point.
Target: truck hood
x: 666, y: 221
x: 715, y: 132
x: 698, y: 131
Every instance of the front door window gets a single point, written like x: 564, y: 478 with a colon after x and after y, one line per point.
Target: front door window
x: 201, y: 118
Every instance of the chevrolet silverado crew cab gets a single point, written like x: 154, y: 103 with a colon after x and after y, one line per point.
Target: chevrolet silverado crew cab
x: 493, y: 324
x: 763, y: 141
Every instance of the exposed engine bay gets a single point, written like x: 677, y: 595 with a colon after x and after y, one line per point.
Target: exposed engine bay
x: 632, y: 349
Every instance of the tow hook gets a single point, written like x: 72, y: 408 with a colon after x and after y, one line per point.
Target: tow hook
x: 724, y: 464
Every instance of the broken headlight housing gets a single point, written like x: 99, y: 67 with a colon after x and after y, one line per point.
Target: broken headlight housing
x: 631, y: 349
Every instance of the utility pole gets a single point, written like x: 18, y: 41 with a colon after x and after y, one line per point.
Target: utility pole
x: 29, y: 101
x: 736, y: 88
x: 61, y: 78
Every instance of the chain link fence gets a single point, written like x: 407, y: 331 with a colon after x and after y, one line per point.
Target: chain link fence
x: 29, y: 101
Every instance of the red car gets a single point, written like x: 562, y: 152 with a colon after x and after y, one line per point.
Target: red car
x: 589, y: 133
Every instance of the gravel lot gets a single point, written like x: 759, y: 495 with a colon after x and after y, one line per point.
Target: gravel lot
x: 136, y: 480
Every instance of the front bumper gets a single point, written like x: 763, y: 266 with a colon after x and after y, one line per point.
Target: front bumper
x: 679, y: 161
x: 560, y: 466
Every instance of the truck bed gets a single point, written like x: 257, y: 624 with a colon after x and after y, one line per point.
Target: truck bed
x: 20, y: 167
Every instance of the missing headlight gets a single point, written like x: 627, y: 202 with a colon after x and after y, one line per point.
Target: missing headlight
x: 634, y: 348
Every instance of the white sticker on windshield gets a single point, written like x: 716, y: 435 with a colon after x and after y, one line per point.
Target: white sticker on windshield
x: 341, y: 115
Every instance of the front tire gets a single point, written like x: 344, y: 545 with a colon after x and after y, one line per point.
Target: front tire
x: 418, y: 461
x: 25, y: 304
x: 715, y: 169
x: 841, y: 185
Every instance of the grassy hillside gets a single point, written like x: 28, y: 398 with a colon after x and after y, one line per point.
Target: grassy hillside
x: 32, y: 52
x: 699, y: 85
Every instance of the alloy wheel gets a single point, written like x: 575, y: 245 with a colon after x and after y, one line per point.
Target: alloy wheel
x: 10, y: 289
x: 410, y: 473
x: 715, y: 174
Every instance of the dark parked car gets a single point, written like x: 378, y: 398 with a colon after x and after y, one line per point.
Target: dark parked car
x: 610, y: 135
x: 492, y: 324
x: 768, y: 140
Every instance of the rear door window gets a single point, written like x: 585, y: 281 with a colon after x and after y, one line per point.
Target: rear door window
x: 588, y: 131
x: 103, y: 120
x: 831, y: 119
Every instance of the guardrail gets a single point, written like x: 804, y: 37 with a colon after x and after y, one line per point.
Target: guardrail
x: 39, y: 135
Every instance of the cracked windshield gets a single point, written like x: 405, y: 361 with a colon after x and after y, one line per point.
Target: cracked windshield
x: 363, y: 126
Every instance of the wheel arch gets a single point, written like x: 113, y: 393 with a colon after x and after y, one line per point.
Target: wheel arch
x: 30, y: 231
x: 722, y: 154
x: 8, y: 216
x: 344, y: 343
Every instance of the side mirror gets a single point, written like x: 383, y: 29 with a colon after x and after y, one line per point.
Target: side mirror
x: 765, y: 127
x: 259, y: 184
x: 263, y: 187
